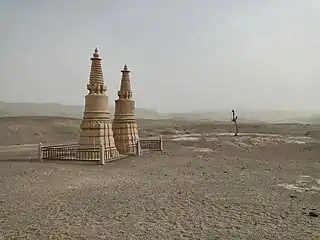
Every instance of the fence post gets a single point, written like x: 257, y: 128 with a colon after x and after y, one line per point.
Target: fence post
x: 138, y: 150
x: 102, y: 157
x: 161, y: 143
x: 40, y: 153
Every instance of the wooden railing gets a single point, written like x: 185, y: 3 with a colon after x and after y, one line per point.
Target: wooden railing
x: 69, y: 152
x: 110, y: 154
x: 152, y: 144
x: 73, y: 152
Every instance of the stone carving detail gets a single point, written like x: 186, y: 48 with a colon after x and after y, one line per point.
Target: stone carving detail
x: 124, y: 126
x: 96, y: 126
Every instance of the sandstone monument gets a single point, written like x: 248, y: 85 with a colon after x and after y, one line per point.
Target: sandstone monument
x: 96, y: 127
x: 125, y: 130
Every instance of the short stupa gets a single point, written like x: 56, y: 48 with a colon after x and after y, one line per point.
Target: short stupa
x: 124, y: 126
x: 96, y: 126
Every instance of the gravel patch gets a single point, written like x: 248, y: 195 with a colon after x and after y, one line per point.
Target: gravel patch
x: 179, y: 194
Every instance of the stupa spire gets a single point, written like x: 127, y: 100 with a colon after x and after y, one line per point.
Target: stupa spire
x: 125, y: 86
x: 96, y: 82
x: 96, y: 74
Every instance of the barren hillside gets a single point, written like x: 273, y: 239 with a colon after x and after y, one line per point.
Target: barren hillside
x: 249, y: 116
x: 207, y: 184
x: 35, y: 129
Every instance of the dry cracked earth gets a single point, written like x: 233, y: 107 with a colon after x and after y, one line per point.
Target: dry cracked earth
x: 207, y: 184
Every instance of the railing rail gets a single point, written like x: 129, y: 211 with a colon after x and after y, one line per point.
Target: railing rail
x: 74, y: 145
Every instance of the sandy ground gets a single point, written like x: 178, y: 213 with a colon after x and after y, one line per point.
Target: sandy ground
x: 263, y: 184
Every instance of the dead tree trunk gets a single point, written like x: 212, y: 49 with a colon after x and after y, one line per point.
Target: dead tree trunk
x: 234, y: 119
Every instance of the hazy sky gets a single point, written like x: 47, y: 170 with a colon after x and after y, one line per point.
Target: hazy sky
x: 184, y: 54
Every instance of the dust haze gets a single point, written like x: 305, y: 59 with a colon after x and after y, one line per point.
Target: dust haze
x: 184, y: 55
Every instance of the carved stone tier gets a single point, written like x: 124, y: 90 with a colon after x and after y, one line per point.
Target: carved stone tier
x: 96, y: 127
x: 125, y: 129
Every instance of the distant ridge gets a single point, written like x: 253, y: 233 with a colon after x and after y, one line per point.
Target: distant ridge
x: 17, y: 109
x: 57, y: 109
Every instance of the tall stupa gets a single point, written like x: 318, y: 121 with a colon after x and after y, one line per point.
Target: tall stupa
x: 125, y: 129
x: 96, y: 126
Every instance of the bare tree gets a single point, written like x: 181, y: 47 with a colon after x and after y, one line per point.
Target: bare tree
x: 234, y: 119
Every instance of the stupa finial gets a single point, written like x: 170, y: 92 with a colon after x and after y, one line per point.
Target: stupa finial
x: 96, y: 53
x: 125, y: 68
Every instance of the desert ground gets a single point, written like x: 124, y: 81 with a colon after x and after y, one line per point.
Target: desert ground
x: 207, y: 184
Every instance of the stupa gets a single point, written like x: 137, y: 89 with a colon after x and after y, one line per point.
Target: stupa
x: 96, y: 126
x: 124, y: 126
